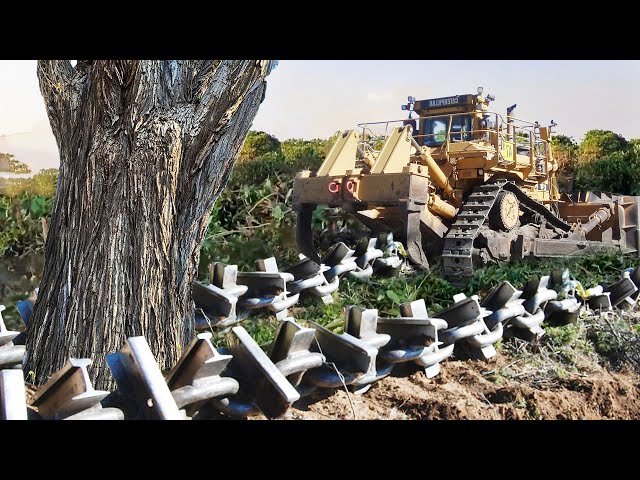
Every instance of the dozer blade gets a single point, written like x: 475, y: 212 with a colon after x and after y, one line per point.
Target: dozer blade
x: 304, y: 232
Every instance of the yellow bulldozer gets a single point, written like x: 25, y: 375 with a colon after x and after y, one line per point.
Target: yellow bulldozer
x: 461, y: 182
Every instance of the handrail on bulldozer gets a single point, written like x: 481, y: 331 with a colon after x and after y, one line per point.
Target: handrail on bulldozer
x: 484, y: 112
x: 523, y: 132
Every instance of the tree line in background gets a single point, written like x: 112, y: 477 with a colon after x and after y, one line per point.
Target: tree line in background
x: 252, y: 218
x: 603, y: 161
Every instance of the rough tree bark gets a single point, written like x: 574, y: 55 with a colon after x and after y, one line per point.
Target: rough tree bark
x: 145, y: 149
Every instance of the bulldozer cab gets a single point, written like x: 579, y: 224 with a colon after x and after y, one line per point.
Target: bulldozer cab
x: 466, y: 118
x: 437, y: 122
x: 473, y: 144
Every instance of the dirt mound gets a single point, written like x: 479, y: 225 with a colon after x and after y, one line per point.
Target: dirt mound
x: 463, y: 390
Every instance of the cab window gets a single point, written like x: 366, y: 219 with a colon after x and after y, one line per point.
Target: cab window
x: 435, y: 129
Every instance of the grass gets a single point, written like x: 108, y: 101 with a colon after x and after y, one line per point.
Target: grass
x: 563, y: 353
x: 616, y: 338
x: 566, y: 352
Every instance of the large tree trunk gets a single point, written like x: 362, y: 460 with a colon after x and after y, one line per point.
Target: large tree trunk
x: 145, y: 149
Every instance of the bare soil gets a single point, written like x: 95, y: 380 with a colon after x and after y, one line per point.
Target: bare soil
x: 463, y: 390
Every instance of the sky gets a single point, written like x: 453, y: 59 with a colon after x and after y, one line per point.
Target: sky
x: 315, y: 98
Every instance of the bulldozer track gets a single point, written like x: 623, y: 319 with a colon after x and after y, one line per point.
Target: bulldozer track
x: 458, y: 243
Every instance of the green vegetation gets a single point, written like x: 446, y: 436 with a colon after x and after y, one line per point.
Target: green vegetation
x: 618, y: 172
x: 598, y: 144
x: 604, y: 161
x: 257, y: 145
x: 24, y: 204
x: 252, y: 218
x: 565, y: 151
